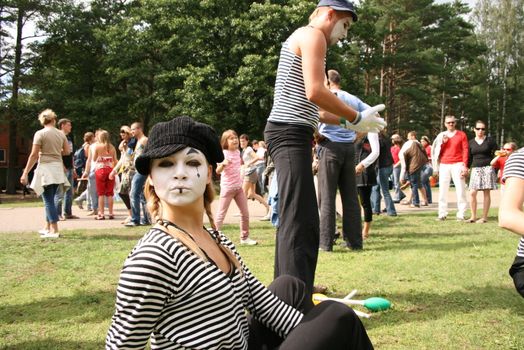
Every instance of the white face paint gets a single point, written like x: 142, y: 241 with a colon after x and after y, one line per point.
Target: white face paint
x: 340, y: 30
x: 181, y: 178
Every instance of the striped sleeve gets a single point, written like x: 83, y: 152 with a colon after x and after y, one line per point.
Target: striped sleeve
x: 147, y: 280
x: 515, y: 168
x: 269, y: 309
x: 266, y: 307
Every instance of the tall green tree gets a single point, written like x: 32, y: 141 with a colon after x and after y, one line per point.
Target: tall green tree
x: 15, y: 62
x: 69, y: 73
x: 412, y: 57
x: 500, y: 27
x: 214, y: 60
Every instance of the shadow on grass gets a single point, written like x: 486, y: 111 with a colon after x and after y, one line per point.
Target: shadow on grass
x: 423, y: 234
x: 416, y: 307
x: 53, y: 344
x: 82, y: 307
x: 416, y: 245
x: 112, y: 237
x: 428, y: 240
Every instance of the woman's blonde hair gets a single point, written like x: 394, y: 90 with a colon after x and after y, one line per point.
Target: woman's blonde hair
x: 126, y: 129
x: 46, y: 116
x: 103, y: 137
x: 155, y: 210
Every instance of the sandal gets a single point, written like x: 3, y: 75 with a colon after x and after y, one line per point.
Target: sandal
x: 111, y: 217
x: 471, y: 220
x: 481, y: 221
x: 100, y: 217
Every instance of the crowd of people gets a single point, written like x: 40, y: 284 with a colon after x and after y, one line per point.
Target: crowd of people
x: 185, y: 285
x: 101, y: 173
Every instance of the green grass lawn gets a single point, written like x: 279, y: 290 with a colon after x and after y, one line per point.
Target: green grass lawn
x: 448, y: 283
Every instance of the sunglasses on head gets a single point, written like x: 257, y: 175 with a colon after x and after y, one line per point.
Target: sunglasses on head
x: 480, y: 129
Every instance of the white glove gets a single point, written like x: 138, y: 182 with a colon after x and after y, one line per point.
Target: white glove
x: 367, y: 121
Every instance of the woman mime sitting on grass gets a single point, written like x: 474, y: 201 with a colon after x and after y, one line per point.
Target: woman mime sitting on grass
x: 186, y: 287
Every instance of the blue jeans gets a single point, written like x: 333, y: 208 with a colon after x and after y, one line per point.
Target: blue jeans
x: 414, y: 179
x: 138, y: 201
x: 398, y: 195
x: 383, y: 185
x: 260, y: 177
x: 91, y: 190
x: 65, y: 198
x: 427, y: 171
x: 48, y: 197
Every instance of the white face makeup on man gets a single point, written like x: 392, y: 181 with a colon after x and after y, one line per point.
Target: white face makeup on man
x: 340, y: 30
x: 181, y: 178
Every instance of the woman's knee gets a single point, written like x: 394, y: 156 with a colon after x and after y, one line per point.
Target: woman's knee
x: 284, y: 282
x: 338, y: 313
x: 518, y: 279
x: 292, y: 291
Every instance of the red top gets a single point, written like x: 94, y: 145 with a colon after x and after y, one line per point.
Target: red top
x: 499, y: 164
x: 395, y: 149
x: 455, y: 150
x: 428, y: 152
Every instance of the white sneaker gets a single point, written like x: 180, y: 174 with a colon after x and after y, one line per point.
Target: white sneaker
x: 43, y: 231
x: 248, y: 241
x: 51, y: 235
x: 266, y: 218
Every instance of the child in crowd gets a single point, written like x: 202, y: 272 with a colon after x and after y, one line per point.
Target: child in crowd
x: 250, y: 158
x: 231, y: 185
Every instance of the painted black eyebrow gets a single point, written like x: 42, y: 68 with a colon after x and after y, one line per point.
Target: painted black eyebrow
x: 192, y: 150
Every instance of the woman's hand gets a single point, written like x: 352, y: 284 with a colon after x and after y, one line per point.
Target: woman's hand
x: 23, y: 179
x: 359, y: 168
x: 112, y: 175
x: 464, y: 172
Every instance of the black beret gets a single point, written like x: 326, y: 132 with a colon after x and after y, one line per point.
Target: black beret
x: 170, y: 137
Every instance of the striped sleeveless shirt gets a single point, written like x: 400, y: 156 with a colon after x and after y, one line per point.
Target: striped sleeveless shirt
x: 290, y: 104
x: 515, y: 168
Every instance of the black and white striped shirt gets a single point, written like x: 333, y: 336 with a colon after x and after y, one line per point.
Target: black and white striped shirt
x: 290, y: 104
x: 168, y: 293
x: 515, y: 168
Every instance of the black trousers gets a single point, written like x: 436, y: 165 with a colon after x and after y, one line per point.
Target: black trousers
x: 364, y: 194
x: 329, y: 325
x: 337, y: 170
x: 126, y: 200
x: 297, y: 241
x: 517, y: 273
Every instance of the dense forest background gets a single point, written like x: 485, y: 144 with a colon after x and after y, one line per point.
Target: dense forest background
x: 104, y: 63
